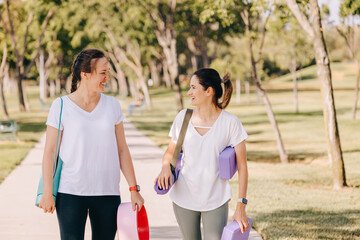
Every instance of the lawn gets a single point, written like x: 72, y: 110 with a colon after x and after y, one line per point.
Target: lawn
x: 286, y: 201
x: 32, y: 126
x: 296, y: 200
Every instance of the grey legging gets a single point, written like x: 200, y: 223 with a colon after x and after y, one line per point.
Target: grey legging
x: 213, y: 221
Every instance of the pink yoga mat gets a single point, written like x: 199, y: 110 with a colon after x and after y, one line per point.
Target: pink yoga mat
x: 132, y: 225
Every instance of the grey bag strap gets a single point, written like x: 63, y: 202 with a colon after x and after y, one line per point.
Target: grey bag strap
x: 181, y: 137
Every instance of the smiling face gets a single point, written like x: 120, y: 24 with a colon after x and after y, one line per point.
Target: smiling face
x: 199, y: 96
x: 99, y: 76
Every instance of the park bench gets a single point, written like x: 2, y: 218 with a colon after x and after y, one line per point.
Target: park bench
x: 44, y: 106
x: 8, y: 127
x: 137, y: 108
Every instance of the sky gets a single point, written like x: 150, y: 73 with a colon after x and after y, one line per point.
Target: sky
x: 334, y: 6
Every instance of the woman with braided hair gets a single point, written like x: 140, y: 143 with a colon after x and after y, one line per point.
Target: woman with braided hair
x: 200, y: 194
x: 93, y: 150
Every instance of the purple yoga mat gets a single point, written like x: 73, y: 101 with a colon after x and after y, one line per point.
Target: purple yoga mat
x: 227, y: 168
x: 227, y: 163
x: 232, y: 232
x: 175, y: 175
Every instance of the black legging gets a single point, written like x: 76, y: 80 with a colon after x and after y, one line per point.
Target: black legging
x: 72, y: 211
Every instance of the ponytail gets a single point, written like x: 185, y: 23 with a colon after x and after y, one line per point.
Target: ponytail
x: 228, y: 89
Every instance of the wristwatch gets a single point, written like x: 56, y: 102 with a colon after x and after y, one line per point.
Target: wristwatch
x: 135, y: 188
x: 242, y: 200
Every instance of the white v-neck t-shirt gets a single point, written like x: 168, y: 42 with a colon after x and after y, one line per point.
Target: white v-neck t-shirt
x: 88, y: 147
x: 199, y: 187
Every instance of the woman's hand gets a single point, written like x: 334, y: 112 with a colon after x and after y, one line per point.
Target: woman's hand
x: 136, y: 199
x: 164, y: 177
x: 47, y: 203
x: 241, y: 218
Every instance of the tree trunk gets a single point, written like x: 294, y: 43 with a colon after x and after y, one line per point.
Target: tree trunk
x: 166, y: 76
x: 204, y: 50
x: 315, y: 31
x: 41, y: 70
x: 174, y: 73
x: 356, y: 90
x: 21, y: 94
x: 133, y: 90
x: 154, y: 73
x: 271, y: 116
x: 68, y: 82
x: 269, y: 111
x: 141, y: 78
x: 145, y: 90
x: 52, y: 89
x: 6, y: 113
x: 194, y: 63
x: 238, y: 91
x: 295, y: 90
x: 261, y: 93
x: 324, y: 73
x: 350, y: 37
x: 3, y: 68
x: 193, y: 53
x: 26, y: 99
x: 166, y: 35
x: 58, y: 86
x: 120, y: 76
x: 123, y: 86
x: 247, y: 91
x: 178, y: 95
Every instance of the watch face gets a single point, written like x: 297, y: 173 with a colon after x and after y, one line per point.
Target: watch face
x: 244, y: 200
x: 138, y: 188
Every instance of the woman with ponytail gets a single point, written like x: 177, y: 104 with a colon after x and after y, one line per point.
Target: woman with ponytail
x: 200, y: 194
x: 93, y: 150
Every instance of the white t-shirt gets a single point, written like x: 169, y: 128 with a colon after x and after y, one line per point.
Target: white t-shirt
x: 199, y: 187
x: 88, y: 147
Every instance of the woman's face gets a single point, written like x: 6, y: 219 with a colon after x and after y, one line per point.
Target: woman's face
x: 198, y: 95
x: 100, y: 75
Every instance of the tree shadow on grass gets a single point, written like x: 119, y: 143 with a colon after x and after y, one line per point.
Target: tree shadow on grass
x: 305, y: 77
x: 158, y: 126
x: 273, y: 157
x: 254, y: 132
x: 351, y: 150
x: 300, y: 114
x: 309, y: 224
x: 262, y: 156
x: 339, y: 111
x: 31, y: 126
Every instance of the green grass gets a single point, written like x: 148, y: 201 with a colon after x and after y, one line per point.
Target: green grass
x: 293, y: 201
x: 32, y: 126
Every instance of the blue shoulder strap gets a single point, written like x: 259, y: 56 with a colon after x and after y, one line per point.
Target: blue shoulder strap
x: 57, y: 140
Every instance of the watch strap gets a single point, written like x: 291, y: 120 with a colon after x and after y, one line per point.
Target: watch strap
x: 134, y: 188
x: 242, y: 200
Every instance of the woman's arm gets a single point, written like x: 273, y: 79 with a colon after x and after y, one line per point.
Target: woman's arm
x: 126, y: 165
x: 164, y: 176
x: 240, y: 214
x: 47, y: 202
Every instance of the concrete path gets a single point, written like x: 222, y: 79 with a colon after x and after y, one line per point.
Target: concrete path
x: 20, y: 219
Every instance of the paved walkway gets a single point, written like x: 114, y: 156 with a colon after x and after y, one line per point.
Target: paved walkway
x: 20, y: 219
